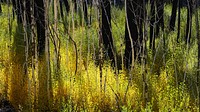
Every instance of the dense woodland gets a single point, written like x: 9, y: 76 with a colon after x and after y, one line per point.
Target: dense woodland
x: 99, y: 55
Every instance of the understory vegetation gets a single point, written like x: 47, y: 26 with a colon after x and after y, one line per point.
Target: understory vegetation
x: 171, y: 70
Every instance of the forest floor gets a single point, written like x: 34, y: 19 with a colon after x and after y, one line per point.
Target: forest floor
x: 170, y: 73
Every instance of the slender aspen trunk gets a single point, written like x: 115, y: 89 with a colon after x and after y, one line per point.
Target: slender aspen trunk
x: 57, y: 53
x: 100, y: 44
x: 144, y: 54
x: 26, y: 41
x: 33, y: 55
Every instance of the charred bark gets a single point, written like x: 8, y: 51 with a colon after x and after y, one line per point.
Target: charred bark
x: 160, y: 17
x: 40, y: 22
x: 85, y: 10
x: 179, y: 20
x: 67, y: 7
x: 152, y: 26
x: 44, y: 92
x: 157, y: 20
x: 133, y: 31
x: 173, y: 15
x: 189, y: 22
x: 66, y: 4
x: 106, y: 30
x: 0, y: 8
x: 18, y: 7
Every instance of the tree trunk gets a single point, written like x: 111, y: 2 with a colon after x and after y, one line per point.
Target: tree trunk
x: 33, y: 54
x: 189, y: 22
x: 57, y: 70
x: 160, y: 17
x: 19, y: 78
x: 152, y: 26
x: 106, y: 30
x: 173, y: 15
x: 18, y: 6
x: 0, y: 8
x: 43, y: 101
x: 40, y: 21
x: 75, y: 5
x: 179, y: 20
x: 157, y: 20
x: 85, y: 10
x: 133, y: 31
x: 67, y: 7
x: 61, y: 9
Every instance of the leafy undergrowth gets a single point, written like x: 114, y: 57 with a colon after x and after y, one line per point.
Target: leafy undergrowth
x: 170, y: 73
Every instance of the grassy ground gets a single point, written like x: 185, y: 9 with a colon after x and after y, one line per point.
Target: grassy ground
x: 170, y: 73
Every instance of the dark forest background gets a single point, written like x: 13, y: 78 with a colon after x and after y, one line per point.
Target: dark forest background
x: 99, y: 55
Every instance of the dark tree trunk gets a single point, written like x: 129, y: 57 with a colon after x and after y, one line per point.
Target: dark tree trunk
x: 160, y: 17
x: 133, y: 31
x: 28, y: 12
x: 0, y: 8
x: 19, y: 10
x: 44, y: 78
x: 189, y: 21
x: 85, y: 10
x: 152, y: 26
x: 173, y: 15
x: 61, y: 9
x: 179, y: 20
x: 18, y: 7
x: 106, y: 29
x: 157, y: 20
x: 40, y: 21
x: 75, y: 5
x: 66, y: 7
x: 91, y: 4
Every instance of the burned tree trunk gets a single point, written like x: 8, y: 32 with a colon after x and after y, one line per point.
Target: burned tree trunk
x: 160, y: 17
x: 189, y: 21
x: 106, y: 29
x: 61, y: 9
x: 152, y: 26
x: 43, y: 94
x: 66, y: 4
x: 18, y: 7
x: 133, y: 31
x: 67, y: 7
x: 179, y: 20
x: 157, y: 21
x: 85, y: 11
x: 173, y: 15
x: 0, y: 8
x: 75, y: 5
x: 40, y: 21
